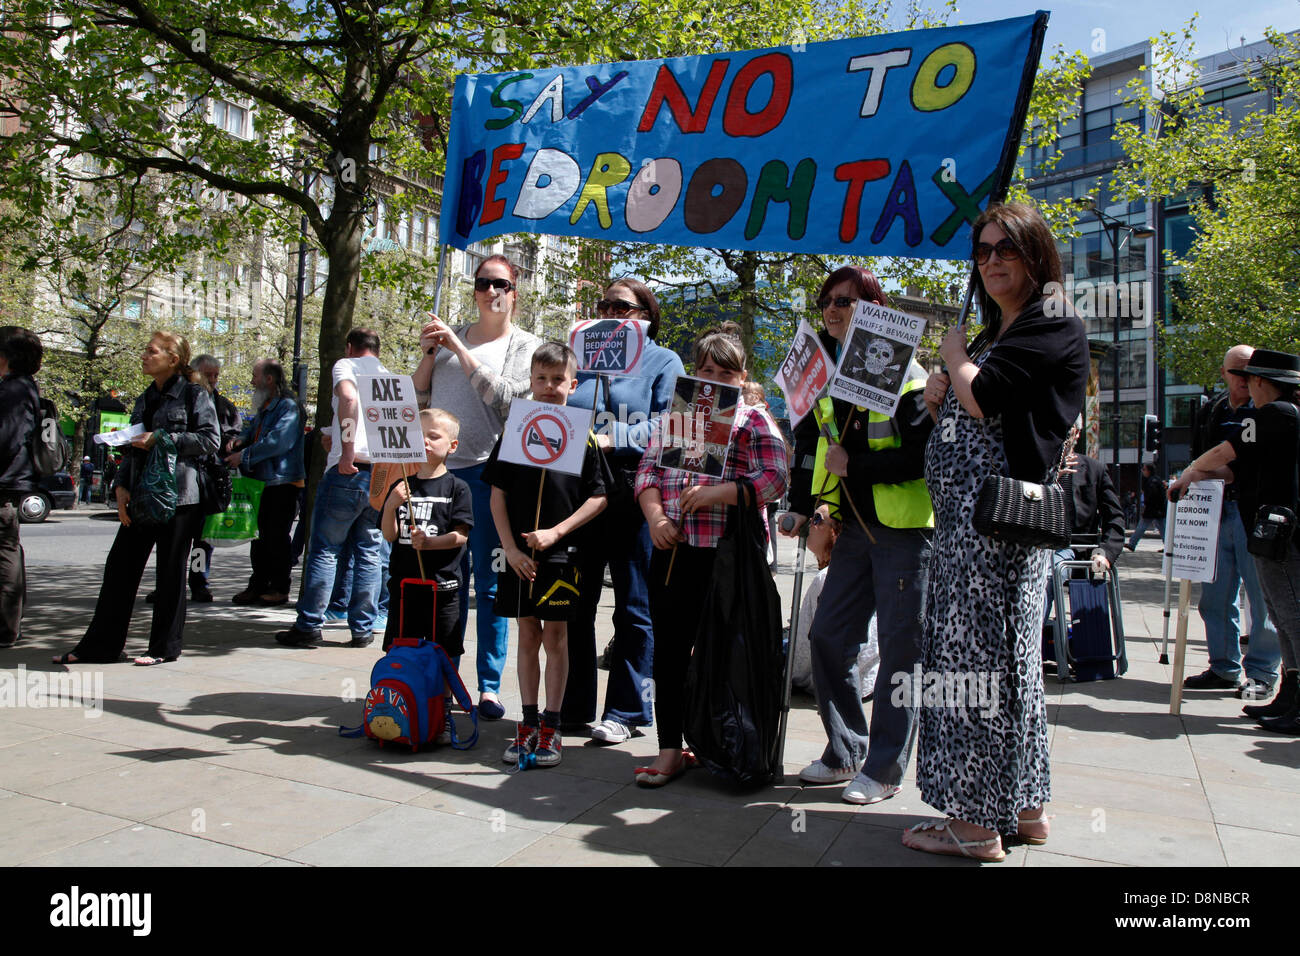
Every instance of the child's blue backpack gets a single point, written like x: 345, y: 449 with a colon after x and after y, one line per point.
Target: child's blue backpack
x: 405, y: 703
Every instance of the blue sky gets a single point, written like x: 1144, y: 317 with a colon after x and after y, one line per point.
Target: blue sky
x: 1220, y: 25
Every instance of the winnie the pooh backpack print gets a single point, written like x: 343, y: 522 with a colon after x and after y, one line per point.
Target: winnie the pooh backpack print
x: 405, y: 704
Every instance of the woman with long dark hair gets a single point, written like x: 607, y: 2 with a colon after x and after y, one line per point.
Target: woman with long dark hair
x: 177, y: 405
x: 1004, y: 407
x: 863, y: 470
x: 1262, y: 458
x: 475, y: 371
x: 627, y: 413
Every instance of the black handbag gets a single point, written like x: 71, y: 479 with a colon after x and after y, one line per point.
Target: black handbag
x: 734, y: 681
x: 1272, y: 534
x: 1021, y: 512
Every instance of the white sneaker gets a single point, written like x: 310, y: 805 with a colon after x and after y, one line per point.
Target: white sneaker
x: 611, y: 731
x: 818, y: 773
x: 863, y: 790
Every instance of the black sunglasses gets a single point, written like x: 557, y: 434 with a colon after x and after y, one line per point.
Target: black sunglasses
x: 482, y: 285
x: 840, y: 302
x: 1005, y: 248
x: 617, y: 307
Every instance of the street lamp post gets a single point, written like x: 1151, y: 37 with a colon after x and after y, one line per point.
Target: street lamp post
x: 1112, y: 227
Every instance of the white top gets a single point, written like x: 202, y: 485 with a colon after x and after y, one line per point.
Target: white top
x: 347, y: 370
x: 450, y: 390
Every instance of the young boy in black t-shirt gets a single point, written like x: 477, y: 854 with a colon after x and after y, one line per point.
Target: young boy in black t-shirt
x: 539, y: 588
x: 443, y: 516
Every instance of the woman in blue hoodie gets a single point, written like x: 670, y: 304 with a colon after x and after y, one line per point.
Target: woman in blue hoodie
x: 627, y: 412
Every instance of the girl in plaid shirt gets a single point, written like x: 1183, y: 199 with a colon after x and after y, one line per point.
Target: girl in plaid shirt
x: 687, y: 514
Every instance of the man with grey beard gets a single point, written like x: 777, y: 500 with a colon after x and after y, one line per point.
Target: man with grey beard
x: 270, y: 450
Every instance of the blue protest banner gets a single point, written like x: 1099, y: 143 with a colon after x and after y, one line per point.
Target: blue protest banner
x: 884, y: 145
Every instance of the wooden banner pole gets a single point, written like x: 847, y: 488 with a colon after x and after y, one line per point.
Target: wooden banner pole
x: 410, y: 520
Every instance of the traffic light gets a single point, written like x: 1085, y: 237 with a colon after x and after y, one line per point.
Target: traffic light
x: 1152, y: 436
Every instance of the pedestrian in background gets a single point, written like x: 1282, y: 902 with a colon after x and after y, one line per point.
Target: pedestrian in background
x: 269, y: 449
x: 20, y: 415
x: 174, y: 404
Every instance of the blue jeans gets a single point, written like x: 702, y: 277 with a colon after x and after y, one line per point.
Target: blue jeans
x: 1218, y: 608
x: 621, y: 537
x: 341, y: 595
x: 480, y: 557
x: 342, y: 519
x: 1157, y: 523
x: 1065, y: 554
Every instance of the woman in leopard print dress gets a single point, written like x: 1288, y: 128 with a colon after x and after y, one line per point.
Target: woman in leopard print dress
x: 983, y: 743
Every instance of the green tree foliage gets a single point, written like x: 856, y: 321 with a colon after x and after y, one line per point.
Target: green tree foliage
x: 1239, y: 280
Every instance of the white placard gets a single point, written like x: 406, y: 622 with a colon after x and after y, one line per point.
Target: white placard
x: 1194, y: 543
x: 877, y: 352
x: 805, y: 373
x: 392, y: 416
x: 121, y: 436
x: 546, y: 436
x: 610, y: 346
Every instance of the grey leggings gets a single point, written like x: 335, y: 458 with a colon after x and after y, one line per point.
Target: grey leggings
x: 1280, y: 582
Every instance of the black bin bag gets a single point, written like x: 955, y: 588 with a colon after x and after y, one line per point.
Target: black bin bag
x: 733, y: 684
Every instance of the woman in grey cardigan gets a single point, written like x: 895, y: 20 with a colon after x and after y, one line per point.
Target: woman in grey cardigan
x: 474, y: 372
x: 173, y: 404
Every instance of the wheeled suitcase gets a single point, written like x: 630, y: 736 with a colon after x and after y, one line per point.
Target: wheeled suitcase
x: 1091, y: 645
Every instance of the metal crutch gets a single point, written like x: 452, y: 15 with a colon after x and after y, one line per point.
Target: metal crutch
x: 789, y: 650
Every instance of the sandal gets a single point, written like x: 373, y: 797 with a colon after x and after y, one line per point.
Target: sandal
x: 1026, y: 838
x: 68, y: 658
x: 952, y: 846
x: 151, y: 661
x: 649, y: 777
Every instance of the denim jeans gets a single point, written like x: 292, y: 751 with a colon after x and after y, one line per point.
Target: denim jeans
x: 1065, y: 554
x: 1218, y: 608
x: 621, y: 537
x: 887, y: 577
x: 342, y: 519
x: 1157, y: 523
x: 493, y: 632
x: 341, y: 594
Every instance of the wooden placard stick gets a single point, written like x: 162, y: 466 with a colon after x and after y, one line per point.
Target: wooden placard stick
x: 410, y: 520
x: 537, y: 517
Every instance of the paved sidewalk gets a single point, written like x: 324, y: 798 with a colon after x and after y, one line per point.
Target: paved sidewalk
x: 230, y: 756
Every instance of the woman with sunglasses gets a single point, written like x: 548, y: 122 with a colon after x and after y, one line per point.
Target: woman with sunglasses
x: 686, y: 514
x: 474, y: 372
x: 627, y: 412
x: 1005, y: 406
x: 865, y: 470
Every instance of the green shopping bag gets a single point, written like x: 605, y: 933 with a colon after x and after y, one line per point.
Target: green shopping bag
x: 239, y: 521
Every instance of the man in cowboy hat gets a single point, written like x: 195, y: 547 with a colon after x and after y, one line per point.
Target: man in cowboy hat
x: 1216, y: 422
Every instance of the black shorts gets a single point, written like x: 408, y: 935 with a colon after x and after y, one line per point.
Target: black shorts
x: 439, y: 623
x: 554, y: 596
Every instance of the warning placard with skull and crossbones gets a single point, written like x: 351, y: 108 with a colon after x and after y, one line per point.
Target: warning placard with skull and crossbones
x: 877, y: 352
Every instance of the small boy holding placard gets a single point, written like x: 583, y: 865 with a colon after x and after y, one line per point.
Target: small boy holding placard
x: 540, y: 585
x: 428, y: 516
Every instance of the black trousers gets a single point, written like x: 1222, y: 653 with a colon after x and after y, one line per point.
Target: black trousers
x: 271, y: 552
x: 675, y: 609
x: 13, y: 574
x: 106, y: 635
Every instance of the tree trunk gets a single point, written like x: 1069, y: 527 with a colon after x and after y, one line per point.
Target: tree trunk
x: 746, y: 270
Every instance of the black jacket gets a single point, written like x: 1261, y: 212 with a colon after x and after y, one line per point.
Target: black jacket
x: 229, y: 420
x: 886, y: 466
x: 1034, y: 377
x: 1094, y: 506
x: 19, y: 411
x: 186, y: 413
x: 1153, y: 497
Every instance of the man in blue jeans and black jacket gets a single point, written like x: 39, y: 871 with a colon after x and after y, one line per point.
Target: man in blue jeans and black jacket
x: 342, y: 515
x: 1215, y: 423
